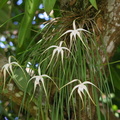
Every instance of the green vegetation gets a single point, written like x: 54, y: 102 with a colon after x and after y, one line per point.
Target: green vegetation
x: 57, y: 72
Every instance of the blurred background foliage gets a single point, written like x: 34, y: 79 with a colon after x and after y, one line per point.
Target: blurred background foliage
x: 11, y: 14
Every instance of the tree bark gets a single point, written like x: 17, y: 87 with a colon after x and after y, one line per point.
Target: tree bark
x: 108, y: 22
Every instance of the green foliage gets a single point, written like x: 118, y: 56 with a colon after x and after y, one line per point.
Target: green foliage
x: 4, y: 15
x: 63, y: 67
x: 48, y: 5
x: 2, y: 3
x: 116, y: 76
x: 77, y: 58
x: 21, y: 80
x: 94, y: 4
x: 25, y: 28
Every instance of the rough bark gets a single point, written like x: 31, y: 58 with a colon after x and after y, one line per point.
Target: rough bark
x: 108, y: 22
x: 109, y: 25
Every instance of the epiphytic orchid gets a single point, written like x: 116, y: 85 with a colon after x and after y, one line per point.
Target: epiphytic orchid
x: 74, y: 33
x: 7, y: 68
x: 59, y: 50
x: 81, y: 89
x: 40, y: 78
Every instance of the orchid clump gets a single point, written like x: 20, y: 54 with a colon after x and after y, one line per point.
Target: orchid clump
x: 81, y: 89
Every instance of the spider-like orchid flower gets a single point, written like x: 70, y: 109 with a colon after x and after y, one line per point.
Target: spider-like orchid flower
x: 74, y: 33
x: 59, y: 50
x: 38, y: 79
x: 7, y: 68
x: 81, y: 89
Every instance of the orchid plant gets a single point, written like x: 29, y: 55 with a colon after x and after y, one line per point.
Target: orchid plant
x: 80, y: 89
x: 59, y: 50
x: 40, y: 78
x: 7, y: 68
x: 74, y: 33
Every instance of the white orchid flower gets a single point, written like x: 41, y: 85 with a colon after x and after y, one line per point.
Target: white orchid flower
x: 7, y: 68
x: 74, y: 33
x: 81, y: 89
x: 38, y: 79
x: 59, y: 50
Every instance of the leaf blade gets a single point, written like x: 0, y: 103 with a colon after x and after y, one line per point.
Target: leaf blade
x: 94, y: 4
x: 2, y: 3
x: 48, y: 5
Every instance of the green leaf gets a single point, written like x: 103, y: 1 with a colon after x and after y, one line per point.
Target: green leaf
x: 116, y: 77
x: 4, y: 16
x: 48, y: 5
x: 5, y: 19
x: 25, y: 28
x: 21, y: 80
x: 2, y: 2
x: 94, y: 4
x: 24, y: 31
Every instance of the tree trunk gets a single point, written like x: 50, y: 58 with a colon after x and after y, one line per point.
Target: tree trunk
x: 108, y: 22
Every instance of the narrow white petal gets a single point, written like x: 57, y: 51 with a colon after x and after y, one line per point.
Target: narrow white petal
x: 62, y: 56
x: 61, y: 42
x: 53, y: 46
x: 89, y: 95
x: 81, y: 29
x: 71, y: 40
x: 54, y: 51
x: 81, y: 39
x: 74, y: 26
x: 87, y: 82
x: 10, y: 67
x: 4, y: 73
x: 79, y: 92
x: 9, y: 59
x: 66, y: 49
x: 44, y: 75
x: 68, y: 31
x: 39, y: 70
x: 35, y: 85
x: 73, y: 91
x: 42, y: 80
x: 69, y: 83
x: 32, y: 79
